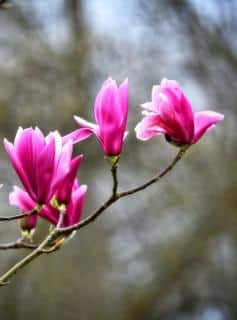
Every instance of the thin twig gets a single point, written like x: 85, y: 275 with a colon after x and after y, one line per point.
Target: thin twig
x: 157, y: 177
x: 57, y: 231
x: 115, y: 180
x: 117, y: 196
x: 19, y: 216
x: 18, y: 244
x: 90, y: 218
x: 4, y: 279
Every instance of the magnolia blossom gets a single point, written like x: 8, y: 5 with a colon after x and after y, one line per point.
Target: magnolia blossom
x: 73, y: 212
x: 40, y: 162
x: 110, y: 111
x: 170, y: 113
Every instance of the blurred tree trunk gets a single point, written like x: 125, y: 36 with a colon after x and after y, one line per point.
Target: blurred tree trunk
x: 74, y: 12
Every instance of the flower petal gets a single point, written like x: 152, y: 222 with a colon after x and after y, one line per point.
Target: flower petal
x: 62, y: 166
x: 204, y: 120
x: 64, y: 189
x: 50, y: 214
x: 149, y: 127
x: 18, y: 167
x: 78, y: 135
x: 176, y: 112
x: 123, y: 95
x: 149, y: 107
x: 21, y: 199
x: 104, y: 99
x: 27, y: 151
x: 45, y: 172
x: 91, y: 127
x: 75, y: 207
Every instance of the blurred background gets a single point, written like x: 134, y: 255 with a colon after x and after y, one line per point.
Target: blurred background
x: 171, y: 251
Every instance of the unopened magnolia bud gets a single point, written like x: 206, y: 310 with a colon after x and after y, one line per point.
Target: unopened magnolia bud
x: 27, y: 225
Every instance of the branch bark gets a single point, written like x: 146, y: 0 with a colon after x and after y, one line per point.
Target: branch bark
x: 50, y: 243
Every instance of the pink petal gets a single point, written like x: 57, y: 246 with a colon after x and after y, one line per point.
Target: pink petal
x: 204, y: 120
x: 172, y: 84
x: 176, y: 112
x: 86, y: 124
x: 78, y: 135
x: 50, y: 214
x: 45, y: 172
x: 17, y: 166
x: 103, y: 99
x: 126, y: 133
x: 155, y: 97
x: 21, y: 199
x: 149, y: 107
x: 109, y: 111
x: 18, y: 137
x: 56, y: 137
x: 111, y: 138
x: 27, y: 152
x: 185, y: 116
x: 39, y: 136
x: 149, y: 127
x: 62, y: 165
x: 123, y: 95
x: 169, y: 101
x: 64, y: 190
x: 108, y: 82
x: 75, y: 207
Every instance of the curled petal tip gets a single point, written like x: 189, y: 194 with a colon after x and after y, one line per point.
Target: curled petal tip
x: 84, y: 188
x: 204, y: 121
x: 108, y: 82
x: 125, y: 82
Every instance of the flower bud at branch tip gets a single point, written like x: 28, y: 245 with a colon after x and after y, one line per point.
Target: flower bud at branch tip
x: 110, y: 113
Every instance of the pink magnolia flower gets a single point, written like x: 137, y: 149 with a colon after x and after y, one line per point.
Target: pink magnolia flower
x: 72, y: 215
x: 170, y: 113
x: 110, y: 111
x: 40, y: 162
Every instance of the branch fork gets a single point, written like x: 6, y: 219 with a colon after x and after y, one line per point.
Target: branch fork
x: 57, y: 236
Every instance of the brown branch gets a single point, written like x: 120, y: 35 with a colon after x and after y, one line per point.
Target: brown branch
x: 50, y: 243
x: 157, y: 177
x: 115, y: 179
x: 116, y: 196
x: 18, y: 244
x: 4, y: 279
x: 19, y: 216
